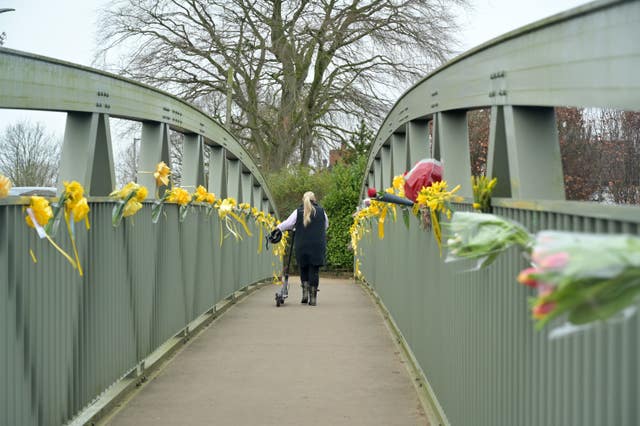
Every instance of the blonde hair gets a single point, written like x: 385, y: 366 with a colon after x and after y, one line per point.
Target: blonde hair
x: 307, y: 201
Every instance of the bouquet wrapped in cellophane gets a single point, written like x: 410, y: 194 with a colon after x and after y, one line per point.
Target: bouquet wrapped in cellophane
x: 583, y: 278
x: 483, y: 237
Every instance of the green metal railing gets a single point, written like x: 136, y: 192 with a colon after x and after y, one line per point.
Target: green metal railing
x: 67, y: 341
x: 470, y: 332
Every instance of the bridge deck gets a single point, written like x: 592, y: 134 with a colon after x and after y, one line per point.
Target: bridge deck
x: 335, y: 363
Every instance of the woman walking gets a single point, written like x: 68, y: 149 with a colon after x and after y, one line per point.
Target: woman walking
x: 310, y: 222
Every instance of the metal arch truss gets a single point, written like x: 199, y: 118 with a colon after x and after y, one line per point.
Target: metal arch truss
x: 90, y: 97
x: 585, y: 57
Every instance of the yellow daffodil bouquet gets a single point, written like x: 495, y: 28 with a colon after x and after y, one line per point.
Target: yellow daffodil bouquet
x: 130, y: 198
x: 482, y: 189
x: 433, y: 201
x: 205, y: 198
x: 5, y: 186
x: 174, y: 195
x: 39, y: 214
x: 230, y: 214
x: 264, y: 222
x: 161, y: 175
x: 72, y: 205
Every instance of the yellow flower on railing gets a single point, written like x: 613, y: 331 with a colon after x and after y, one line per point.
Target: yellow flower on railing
x: 130, y: 199
x: 162, y: 174
x: 41, y: 211
x: 226, y: 211
x: 398, y: 185
x: 179, y: 196
x: 482, y: 189
x: 437, y: 199
x: 5, y: 186
x: 202, y: 196
x: 39, y: 215
x: 80, y: 209
x: 76, y: 207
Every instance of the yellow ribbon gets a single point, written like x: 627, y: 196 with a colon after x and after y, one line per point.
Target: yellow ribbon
x: 383, y: 214
x: 73, y: 243
x: 436, y: 229
x: 62, y: 252
x: 242, y: 222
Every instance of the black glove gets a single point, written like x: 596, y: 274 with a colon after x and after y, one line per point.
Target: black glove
x: 275, y: 236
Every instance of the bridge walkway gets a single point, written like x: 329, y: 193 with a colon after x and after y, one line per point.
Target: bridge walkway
x: 333, y: 364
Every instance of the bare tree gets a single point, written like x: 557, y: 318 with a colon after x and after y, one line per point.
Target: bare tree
x: 299, y: 71
x: 29, y: 156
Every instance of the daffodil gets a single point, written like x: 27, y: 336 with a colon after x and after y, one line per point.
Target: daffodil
x: 179, y: 196
x: 80, y: 210
x: 162, y: 174
x: 437, y: 200
x: 482, y: 188
x: 201, y: 194
x: 73, y: 193
x: 226, y: 206
x: 398, y: 185
x: 5, y: 186
x: 141, y: 194
x: 131, y: 197
x: 41, y: 211
x: 131, y: 208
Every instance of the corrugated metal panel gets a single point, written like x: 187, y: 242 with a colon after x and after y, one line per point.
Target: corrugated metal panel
x: 66, y: 339
x: 472, y: 334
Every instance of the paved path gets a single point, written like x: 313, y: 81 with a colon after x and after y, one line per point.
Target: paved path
x: 330, y: 364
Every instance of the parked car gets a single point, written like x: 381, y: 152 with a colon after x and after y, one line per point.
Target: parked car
x: 25, y: 191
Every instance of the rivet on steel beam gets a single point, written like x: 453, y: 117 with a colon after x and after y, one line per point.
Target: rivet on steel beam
x: 492, y: 94
x: 502, y: 93
x: 435, y: 93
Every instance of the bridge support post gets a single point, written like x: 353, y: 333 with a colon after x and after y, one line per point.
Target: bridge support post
x: 399, y: 154
x: 192, y: 161
x: 234, y: 176
x: 87, y: 155
x: 529, y: 143
x: 377, y: 173
x: 217, y: 171
x: 417, y: 141
x: 386, y: 167
x: 451, y: 144
x: 497, y: 156
x: 154, y: 148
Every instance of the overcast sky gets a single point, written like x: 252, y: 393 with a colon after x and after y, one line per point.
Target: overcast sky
x: 66, y: 30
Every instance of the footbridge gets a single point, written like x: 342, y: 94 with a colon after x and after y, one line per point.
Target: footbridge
x: 459, y: 346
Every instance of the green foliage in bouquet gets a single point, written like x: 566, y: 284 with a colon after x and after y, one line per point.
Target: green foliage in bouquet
x: 483, y: 237
x: 586, y: 277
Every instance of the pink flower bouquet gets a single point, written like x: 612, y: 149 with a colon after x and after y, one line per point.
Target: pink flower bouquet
x: 585, y: 277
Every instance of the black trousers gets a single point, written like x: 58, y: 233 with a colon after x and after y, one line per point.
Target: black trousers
x: 310, y: 274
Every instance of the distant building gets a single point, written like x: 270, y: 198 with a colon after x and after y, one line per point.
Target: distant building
x: 335, y: 155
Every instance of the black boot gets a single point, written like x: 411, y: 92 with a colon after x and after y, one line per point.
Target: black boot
x: 305, y: 292
x: 313, y: 297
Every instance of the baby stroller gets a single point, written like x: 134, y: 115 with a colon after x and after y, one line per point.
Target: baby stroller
x: 283, y: 293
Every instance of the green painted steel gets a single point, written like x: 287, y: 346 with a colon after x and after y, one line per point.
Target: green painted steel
x: 586, y: 57
x: 473, y: 337
x: 30, y: 81
x: 470, y: 331
x: 65, y: 339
